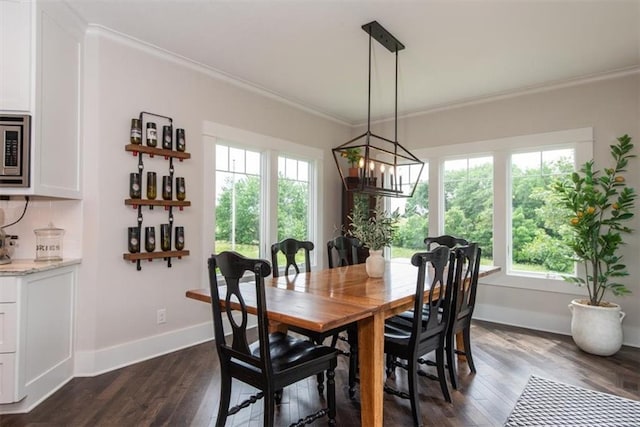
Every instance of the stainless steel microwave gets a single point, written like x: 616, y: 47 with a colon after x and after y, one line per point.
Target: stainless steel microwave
x: 15, y: 131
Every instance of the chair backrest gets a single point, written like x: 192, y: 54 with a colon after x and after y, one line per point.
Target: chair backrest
x: 439, y: 303
x: 232, y: 267
x: 468, y: 268
x: 290, y: 247
x: 342, y: 245
x: 445, y: 240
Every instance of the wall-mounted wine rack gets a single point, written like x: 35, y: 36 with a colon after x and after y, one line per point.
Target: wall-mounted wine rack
x: 139, y: 150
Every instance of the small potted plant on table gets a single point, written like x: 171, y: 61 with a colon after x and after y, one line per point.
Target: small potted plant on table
x: 375, y: 229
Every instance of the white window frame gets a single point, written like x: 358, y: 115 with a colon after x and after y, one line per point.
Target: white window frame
x: 270, y: 148
x: 501, y: 149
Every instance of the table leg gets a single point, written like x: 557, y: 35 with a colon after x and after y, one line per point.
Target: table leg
x: 460, y: 346
x: 371, y: 352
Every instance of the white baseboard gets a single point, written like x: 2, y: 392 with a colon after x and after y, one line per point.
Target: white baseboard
x: 91, y: 363
x: 41, y: 388
x: 547, y: 322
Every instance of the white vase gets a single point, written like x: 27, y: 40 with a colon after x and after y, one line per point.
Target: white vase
x: 595, y: 329
x: 375, y: 264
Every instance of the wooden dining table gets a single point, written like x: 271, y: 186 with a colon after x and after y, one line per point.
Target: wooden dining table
x: 325, y: 299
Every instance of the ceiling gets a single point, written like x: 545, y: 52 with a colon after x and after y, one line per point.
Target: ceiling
x: 314, y: 53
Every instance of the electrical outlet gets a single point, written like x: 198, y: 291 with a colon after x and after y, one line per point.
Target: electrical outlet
x: 162, y: 316
x: 13, y: 240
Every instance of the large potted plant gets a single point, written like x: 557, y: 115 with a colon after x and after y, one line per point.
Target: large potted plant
x: 599, y: 204
x: 375, y: 229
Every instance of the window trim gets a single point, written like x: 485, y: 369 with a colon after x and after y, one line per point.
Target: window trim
x: 580, y: 139
x: 270, y: 148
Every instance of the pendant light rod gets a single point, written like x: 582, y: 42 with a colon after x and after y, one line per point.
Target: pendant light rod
x: 369, y: 90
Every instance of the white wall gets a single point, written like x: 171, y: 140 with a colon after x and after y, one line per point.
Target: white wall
x: 612, y: 108
x: 117, y: 304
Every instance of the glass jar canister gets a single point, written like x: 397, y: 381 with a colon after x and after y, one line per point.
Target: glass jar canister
x: 49, y: 243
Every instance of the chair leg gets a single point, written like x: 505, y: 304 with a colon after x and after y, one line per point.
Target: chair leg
x: 451, y: 360
x: 225, y: 398
x: 334, y: 340
x: 353, y: 364
x: 391, y: 365
x: 466, y: 334
x: 331, y: 396
x: 320, y: 378
x: 412, y: 377
x: 441, y: 374
x: 269, y: 407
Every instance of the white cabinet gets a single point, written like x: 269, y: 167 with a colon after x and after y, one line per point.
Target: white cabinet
x: 36, y: 333
x: 15, y: 55
x: 55, y: 79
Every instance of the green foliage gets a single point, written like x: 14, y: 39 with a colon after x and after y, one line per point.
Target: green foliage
x: 293, y: 218
x: 374, y: 229
x: 468, y: 198
x: 247, y: 210
x: 293, y: 209
x: 352, y: 155
x: 599, y: 204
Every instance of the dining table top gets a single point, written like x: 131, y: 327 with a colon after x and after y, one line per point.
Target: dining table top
x: 326, y: 299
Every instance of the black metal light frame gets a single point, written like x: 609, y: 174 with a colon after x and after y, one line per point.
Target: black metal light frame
x: 381, y: 162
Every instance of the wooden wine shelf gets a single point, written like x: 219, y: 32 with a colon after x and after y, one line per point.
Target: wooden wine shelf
x: 139, y: 148
x: 154, y: 255
x: 146, y: 202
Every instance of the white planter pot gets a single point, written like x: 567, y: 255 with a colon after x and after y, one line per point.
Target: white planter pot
x: 596, y: 330
x: 375, y: 264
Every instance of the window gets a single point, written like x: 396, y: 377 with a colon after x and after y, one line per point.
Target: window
x: 498, y: 195
x: 293, y: 199
x: 263, y: 189
x: 238, y: 200
x: 468, y: 201
x: 413, y: 226
x: 536, y: 231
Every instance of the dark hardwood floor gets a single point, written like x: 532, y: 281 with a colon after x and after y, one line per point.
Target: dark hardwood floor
x: 182, y: 388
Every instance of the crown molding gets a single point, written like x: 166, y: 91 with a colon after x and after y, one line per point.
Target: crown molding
x: 544, y: 87
x: 135, y: 43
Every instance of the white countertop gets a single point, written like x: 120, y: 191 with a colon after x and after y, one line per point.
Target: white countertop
x: 21, y: 267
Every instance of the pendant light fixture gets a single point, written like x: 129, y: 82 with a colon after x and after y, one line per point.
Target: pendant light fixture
x: 370, y: 163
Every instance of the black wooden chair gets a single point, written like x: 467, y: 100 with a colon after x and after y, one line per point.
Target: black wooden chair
x: 341, y: 246
x: 444, y: 240
x: 345, y: 249
x: 462, y: 308
x: 290, y: 248
x: 424, y: 334
x: 432, y: 243
x: 273, y: 362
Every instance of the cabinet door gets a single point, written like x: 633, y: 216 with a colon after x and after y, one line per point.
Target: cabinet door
x: 15, y: 54
x: 57, y: 146
x: 8, y: 327
x: 7, y: 378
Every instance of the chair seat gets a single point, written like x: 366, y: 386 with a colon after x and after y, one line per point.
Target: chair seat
x: 288, y: 352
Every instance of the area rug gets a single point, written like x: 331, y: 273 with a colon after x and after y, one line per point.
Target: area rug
x: 546, y: 403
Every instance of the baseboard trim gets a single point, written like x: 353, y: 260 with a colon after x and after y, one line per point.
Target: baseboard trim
x: 41, y: 388
x: 92, y: 363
